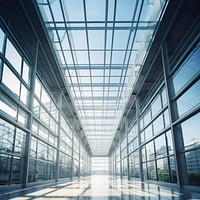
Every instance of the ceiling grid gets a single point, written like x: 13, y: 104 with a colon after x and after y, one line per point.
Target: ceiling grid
x: 101, y: 46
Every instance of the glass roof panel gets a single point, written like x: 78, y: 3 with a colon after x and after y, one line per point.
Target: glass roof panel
x: 121, y: 39
x: 78, y: 39
x: 93, y: 42
x: 96, y: 57
x: 95, y: 10
x: 56, y: 10
x: 101, y: 58
x: 125, y: 5
x: 74, y: 10
x: 81, y: 57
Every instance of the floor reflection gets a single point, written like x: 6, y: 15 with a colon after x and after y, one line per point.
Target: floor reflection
x: 101, y: 188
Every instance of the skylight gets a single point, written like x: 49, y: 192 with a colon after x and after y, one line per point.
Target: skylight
x: 101, y: 46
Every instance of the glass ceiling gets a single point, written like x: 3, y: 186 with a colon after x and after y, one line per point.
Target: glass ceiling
x: 101, y: 46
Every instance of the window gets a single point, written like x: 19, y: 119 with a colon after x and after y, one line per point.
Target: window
x: 8, y: 107
x: 25, y: 73
x: 190, y: 131
x: 6, y: 136
x: 13, y: 56
x: 13, y: 85
x: 156, y: 105
x: 162, y: 170
x: 189, y: 100
x: 160, y: 144
x: 1, y: 40
x: 193, y: 166
x: 188, y: 70
x: 158, y: 124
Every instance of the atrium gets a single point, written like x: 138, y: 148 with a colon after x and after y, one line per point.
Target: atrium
x: 99, y: 99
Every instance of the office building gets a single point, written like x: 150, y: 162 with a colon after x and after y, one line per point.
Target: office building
x: 92, y: 87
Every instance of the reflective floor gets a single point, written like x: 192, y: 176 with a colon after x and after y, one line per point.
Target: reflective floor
x: 100, y: 188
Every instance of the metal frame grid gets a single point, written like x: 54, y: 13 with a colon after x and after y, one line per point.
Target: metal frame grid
x: 101, y: 46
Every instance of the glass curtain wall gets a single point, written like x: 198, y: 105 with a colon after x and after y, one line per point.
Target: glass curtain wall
x: 155, y: 144
x: 187, y: 102
x: 15, y: 90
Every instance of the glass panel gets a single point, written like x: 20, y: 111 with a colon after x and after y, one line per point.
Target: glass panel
x: 169, y: 142
x: 24, y: 94
x: 46, y: 12
x: 17, y: 170
x: 173, y: 170
x: 22, y: 117
x: 93, y: 42
x: 76, y: 168
x: 54, y: 111
x: 19, y: 142
x: 95, y: 10
x: 13, y: 85
x: 163, y: 171
x: 118, y: 58
x: 188, y: 70
x: 8, y: 107
x: 65, y: 166
x: 41, y: 171
x: 51, y: 154
x: 43, y: 132
x: 148, y: 132
x: 53, y: 126
x: 42, y: 151
x: 5, y: 164
x: 37, y: 88
x: 25, y: 74
x: 144, y: 156
x: 56, y: 9
x: 160, y: 144
x: 158, y: 124
x: 35, y: 127
x: 150, y: 151
x: 79, y: 40
x: 164, y: 97
x: 44, y: 116
x: 191, y: 138
x: 1, y: 40
x: 121, y: 39
x: 189, y: 100
x: 145, y: 171
x: 142, y: 136
x: 156, y: 106
x: 97, y: 57
x: 52, y: 139
x: 6, y: 137
x: 129, y: 7
x: 45, y: 99
x: 193, y: 167
x: 166, y: 118
x: 51, y: 169
x: 74, y: 11
x: 151, y: 171
x: 36, y: 107
x: 13, y: 56
x: 33, y: 147
x: 147, y: 117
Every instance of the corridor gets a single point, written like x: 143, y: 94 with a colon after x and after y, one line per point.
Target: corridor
x: 100, y: 188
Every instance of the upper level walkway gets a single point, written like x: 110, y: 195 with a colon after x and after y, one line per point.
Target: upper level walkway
x: 99, y: 188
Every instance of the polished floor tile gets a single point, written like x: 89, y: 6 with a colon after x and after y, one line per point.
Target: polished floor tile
x: 101, y: 188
